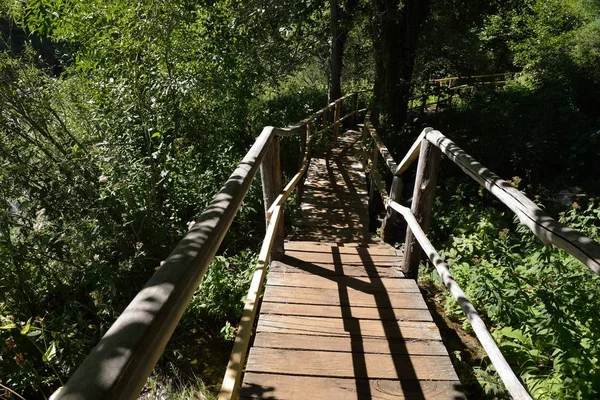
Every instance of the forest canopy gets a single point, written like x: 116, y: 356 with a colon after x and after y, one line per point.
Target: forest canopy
x: 120, y: 119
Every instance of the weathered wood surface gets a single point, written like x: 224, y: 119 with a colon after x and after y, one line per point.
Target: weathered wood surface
x: 296, y: 266
x: 276, y: 386
x: 335, y: 185
x: 340, y: 364
x: 422, y: 201
x: 338, y: 319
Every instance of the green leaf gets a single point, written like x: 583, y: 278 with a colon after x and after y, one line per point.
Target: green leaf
x: 50, y: 354
x: 26, y: 328
x: 10, y: 325
x: 513, y: 334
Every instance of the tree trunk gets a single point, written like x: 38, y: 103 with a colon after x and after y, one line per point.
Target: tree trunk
x: 341, y: 23
x: 395, y: 29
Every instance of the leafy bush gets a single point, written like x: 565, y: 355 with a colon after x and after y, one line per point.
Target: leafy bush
x: 540, y: 302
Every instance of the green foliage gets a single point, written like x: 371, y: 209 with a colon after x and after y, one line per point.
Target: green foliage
x: 104, y: 165
x: 540, y: 301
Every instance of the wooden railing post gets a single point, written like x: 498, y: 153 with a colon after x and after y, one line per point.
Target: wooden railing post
x: 424, y: 104
x: 325, y: 121
x: 392, y: 217
x: 270, y: 174
x: 336, y: 119
x: 372, y: 185
x: 354, y: 108
x: 425, y: 182
x: 304, y: 135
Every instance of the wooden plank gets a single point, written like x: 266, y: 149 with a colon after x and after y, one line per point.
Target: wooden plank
x: 324, y: 219
x: 353, y: 297
x: 333, y: 236
x: 375, y: 244
x: 339, y: 224
x: 341, y: 365
x: 274, y: 386
x: 334, y: 206
x: 346, y: 233
x: 390, y: 285
x: 330, y: 269
x: 327, y: 189
x: 362, y: 257
x: 319, y: 310
x: 348, y: 327
x: 349, y: 248
x: 350, y: 344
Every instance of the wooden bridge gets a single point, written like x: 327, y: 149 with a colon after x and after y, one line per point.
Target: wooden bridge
x: 338, y: 319
x: 341, y: 315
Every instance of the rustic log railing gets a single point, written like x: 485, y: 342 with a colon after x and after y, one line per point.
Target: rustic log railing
x: 443, y: 90
x: 427, y: 149
x: 118, y: 367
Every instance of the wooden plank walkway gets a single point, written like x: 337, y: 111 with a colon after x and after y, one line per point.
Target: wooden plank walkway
x: 338, y: 320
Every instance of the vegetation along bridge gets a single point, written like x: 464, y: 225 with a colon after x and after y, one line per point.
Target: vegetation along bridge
x: 341, y: 315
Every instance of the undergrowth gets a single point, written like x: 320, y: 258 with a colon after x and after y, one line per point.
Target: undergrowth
x: 540, y: 303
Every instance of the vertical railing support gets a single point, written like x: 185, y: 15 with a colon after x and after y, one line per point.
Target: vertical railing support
x: 270, y: 174
x: 354, y: 108
x: 304, y: 150
x: 425, y: 182
x: 372, y: 186
x: 325, y: 119
x: 423, y: 104
x: 336, y: 119
x: 388, y: 232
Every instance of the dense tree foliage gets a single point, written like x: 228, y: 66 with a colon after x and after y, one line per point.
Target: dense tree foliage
x: 120, y: 119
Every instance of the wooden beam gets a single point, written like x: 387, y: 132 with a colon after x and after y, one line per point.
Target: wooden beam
x: 512, y: 383
x: 304, y: 155
x: 271, y: 177
x: 541, y: 224
x: 336, y: 118
x: 290, y: 130
x: 412, y: 154
x: 118, y: 367
x: 233, y: 373
x: 425, y: 182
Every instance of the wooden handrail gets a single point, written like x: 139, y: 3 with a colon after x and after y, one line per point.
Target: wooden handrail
x: 331, y: 105
x: 512, y: 383
x: 383, y: 150
x: 539, y: 222
x: 412, y: 154
x: 454, y: 78
x: 117, y: 368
